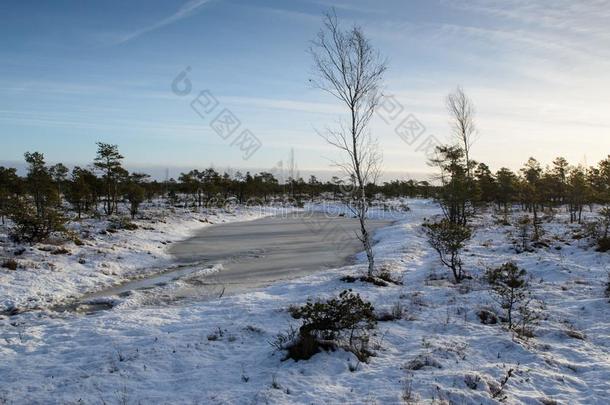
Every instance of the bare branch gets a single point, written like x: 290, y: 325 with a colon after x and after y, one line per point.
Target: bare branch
x: 347, y: 67
x: 461, y: 110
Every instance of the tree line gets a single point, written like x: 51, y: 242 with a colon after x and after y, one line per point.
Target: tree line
x: 534, y: 187
x: 39, y: 202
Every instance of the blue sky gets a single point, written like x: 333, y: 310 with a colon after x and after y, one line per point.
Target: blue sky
x: 77, y: 72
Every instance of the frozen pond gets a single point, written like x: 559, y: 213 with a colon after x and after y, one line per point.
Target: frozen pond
x: 257, y: 253
x: 274, y: 248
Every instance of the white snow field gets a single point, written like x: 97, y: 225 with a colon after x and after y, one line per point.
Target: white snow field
x: 218, y: 351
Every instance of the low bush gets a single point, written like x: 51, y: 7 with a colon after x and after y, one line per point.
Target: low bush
x: 343, y: 322
x: 10, y: 264
x: 524, y: 227
x: 19, y: 251
x: 487, y: 317
x: 589, y: 229
x: 284, y: 340
x: 121, y: 223
x: 422, y: 361
x: 511, y: 289
x: 365, y: 279
x: 30, y: 227
x: 473, y: 381
x: 388, y: 277
x: 603, y: 245
x: 60, y: 251
x: 216, y: 335
x: 598, y: 231
x: 395, y: 313
x: 497, y: 387
x: 449, y: 239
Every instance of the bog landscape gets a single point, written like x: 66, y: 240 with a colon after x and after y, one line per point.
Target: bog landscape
x: 273, y: 202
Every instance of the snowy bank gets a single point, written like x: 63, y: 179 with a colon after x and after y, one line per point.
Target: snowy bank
x: 217, y: 352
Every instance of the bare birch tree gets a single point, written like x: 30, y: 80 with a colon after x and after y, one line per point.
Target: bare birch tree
x: 350, y: 69
x: 461, y: 111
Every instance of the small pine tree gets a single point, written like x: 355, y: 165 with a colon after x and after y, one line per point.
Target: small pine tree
x: 524, y: 224
x: 343, y: 320
x: 603, y: 240
x: 59, y: 175
x: 531, y: 191
x: 79, y: 190
x: 510, y: 287
x: 30, y: 227
x: 135, y: 194
x: 108, y: 161
x: 9, y: 185
x: 35, y: 218
x: 506, y: 189
x: 448, y: 239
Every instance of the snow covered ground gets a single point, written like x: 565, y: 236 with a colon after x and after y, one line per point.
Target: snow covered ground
x: 217, y: 352
x: 48, y: 275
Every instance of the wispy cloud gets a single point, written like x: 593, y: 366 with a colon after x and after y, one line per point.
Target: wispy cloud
x: 186, y: 10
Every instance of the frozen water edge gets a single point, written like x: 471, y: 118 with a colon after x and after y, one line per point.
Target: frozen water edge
x: 235, y: 257
x: 164, y: 354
